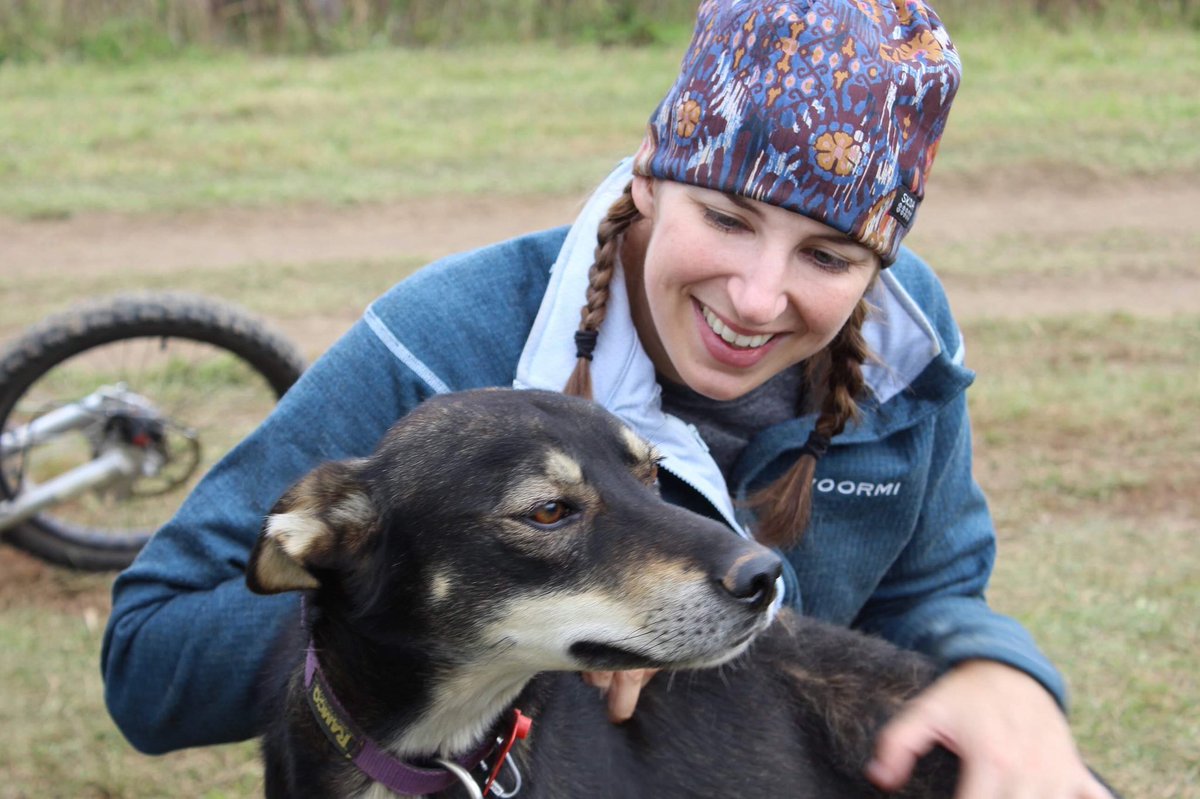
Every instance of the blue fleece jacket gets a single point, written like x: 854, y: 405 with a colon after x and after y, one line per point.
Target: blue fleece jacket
x: 901, y: 543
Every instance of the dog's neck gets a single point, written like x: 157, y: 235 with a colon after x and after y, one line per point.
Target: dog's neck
x: 463, y: 708
x: 415, y: 703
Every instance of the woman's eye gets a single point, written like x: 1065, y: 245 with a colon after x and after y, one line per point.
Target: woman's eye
x: 722, y: 222
x: 826, y: 260
x: 549, y: 513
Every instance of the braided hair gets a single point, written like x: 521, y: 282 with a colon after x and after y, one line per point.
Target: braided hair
x: 621, y: 215
x: 835, y: 380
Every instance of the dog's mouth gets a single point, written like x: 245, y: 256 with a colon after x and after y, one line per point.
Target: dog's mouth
x: 606, y: 657
x: 609, y: 657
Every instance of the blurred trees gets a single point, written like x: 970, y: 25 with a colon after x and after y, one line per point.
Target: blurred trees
x: 132, y: 29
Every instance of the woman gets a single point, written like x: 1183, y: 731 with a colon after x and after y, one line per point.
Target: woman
x: 749, y: 310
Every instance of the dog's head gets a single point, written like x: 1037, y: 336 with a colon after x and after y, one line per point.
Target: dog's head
x: 520, y: 526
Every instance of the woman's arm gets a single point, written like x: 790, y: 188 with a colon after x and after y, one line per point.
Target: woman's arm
x: 186, y: 641
x: 932, y: 598
x: 999, y: 706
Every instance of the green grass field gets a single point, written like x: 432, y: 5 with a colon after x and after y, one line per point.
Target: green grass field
x: 381, y: 125
x: 1085, y: 424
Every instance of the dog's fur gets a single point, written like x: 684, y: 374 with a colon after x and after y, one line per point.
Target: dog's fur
x: 444, y: 588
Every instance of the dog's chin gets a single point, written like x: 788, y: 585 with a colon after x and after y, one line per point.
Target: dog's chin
x: 598, y: 656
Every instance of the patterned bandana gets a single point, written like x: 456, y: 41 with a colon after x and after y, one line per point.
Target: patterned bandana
x: 830, y: 108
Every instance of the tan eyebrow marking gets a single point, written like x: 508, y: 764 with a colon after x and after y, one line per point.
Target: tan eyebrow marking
x: 562, y: 468
x: 637, y: 445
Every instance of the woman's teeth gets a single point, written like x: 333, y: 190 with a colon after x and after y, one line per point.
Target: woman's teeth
x: 728, y: 336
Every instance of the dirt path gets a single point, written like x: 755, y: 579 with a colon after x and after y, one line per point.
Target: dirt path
x: 171, y: 242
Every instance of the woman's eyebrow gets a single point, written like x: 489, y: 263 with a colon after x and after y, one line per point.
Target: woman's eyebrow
x: 833, y: 237
x: 741, y: 202
x: 840, y: 238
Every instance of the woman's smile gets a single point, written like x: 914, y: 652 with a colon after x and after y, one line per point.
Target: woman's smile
x: 727, y: 332
x: 728, y: 346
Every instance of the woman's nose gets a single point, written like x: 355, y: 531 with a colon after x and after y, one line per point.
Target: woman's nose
x: 757, y: 293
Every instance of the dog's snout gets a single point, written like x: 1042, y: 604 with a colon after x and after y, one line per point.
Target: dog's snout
x: 751, y: 579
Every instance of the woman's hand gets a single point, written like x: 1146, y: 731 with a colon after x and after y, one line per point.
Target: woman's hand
x: 622, y: 689
x: 1008, y: 732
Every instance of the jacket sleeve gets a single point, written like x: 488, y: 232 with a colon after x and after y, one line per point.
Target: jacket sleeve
x: 932, y: 598
x: 186, y: 640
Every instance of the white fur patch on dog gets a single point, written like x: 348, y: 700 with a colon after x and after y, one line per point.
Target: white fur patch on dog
x: 533, y: 634
x: 287, y: 539
x: 439, y: 586
x: 295, y: 531
x: 353, y: 510
x: 540, y: 629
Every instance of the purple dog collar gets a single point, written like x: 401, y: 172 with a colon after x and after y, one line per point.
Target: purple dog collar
x: 370, y: 758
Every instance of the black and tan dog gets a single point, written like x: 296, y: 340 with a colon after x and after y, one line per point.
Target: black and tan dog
x: 497, y: 543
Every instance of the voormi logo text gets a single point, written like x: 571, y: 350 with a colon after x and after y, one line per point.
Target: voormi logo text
x: 856, y: 489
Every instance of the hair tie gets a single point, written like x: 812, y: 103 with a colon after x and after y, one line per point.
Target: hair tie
x: 816, y: 445
x: 585, y: 342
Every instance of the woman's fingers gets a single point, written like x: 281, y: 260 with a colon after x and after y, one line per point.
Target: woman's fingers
x: 621, y: 688
x: 908, y: 737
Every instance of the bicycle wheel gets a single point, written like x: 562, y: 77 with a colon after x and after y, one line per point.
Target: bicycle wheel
x: 203, y: 371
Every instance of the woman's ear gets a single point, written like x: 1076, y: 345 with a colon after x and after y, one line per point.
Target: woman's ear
x: 642, y: 191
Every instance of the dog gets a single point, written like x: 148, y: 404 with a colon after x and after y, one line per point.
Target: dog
x: 496, y: 544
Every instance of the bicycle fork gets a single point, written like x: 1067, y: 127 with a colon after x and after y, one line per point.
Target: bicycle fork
x: 119, y: 458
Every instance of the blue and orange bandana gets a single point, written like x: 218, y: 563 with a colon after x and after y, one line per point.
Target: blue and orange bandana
x: 830, y: 108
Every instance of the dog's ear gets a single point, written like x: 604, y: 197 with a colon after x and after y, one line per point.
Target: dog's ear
x: 324, y: 516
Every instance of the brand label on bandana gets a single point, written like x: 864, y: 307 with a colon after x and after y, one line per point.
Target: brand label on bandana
x: 904, y: 207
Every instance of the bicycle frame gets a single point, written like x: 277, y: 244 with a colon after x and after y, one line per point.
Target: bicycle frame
x: 116, y: 461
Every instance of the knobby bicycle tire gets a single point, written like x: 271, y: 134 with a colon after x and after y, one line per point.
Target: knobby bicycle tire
x: 156, y: 316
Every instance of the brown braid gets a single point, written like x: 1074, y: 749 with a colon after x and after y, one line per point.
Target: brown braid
x: 620, y: 216
x: 835, y: 379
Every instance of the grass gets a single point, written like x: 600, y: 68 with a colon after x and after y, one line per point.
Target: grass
x: 1088, y: 451
x: 65, y: 746
x: 1086, y: 101
x: 1130, y: 252
x: 364, y: 127
x: 283, y: 292
x: 379, y: 125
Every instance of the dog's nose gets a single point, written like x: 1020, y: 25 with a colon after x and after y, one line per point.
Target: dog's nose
x: 751, y: 578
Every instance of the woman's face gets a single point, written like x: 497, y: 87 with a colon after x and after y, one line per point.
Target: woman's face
x: 734, y: 291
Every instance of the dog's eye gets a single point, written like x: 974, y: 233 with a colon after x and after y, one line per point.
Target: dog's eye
x: 550, y: 513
